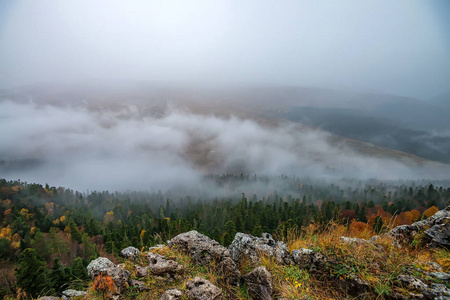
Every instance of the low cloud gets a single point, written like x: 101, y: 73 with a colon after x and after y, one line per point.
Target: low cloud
x: 107, y: 150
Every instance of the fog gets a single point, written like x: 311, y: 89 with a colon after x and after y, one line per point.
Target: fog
x: 398, y: 47
x: 124, y: 150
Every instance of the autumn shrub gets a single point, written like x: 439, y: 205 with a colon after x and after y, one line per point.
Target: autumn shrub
x: 104, y: 284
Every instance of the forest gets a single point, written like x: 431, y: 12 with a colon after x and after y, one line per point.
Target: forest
x: 56, y: 231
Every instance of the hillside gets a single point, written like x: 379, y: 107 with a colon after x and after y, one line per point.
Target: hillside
x: 56, y: 232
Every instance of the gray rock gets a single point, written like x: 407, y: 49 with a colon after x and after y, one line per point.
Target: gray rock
x: 412, y: 282
x: 139, y: 285
x: 313, y: 261
x: 355, y: 286
x: 73, y: 294
x: 437, y: 291
x: 99, y: 266
x: 120, y: 278
x: 440, y: 275
x: 259, y: 284
x: 130, y: 253
x: 159, y: 265
x: 205, y: 251
x: 171, y: 294
x: 250, y: 247
x: 141, y: 271
x: 436, y: 229
x: 202, y: 289
x: 438, y: 235
x: 49, y: 298
x: 356, y: 241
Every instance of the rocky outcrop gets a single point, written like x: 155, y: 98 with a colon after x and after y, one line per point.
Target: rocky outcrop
x: 246, y: 246
x: 202, y: 289
x: 206, y: 251
x: 159, y: 265
x: 259, y: 284
x: 436, y: 230
x: 130, y: 252
x: 172, y: 294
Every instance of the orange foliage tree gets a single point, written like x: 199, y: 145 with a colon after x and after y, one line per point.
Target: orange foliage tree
x: 431, y: 211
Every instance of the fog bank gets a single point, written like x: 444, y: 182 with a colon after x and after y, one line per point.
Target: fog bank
x: 106, y: 150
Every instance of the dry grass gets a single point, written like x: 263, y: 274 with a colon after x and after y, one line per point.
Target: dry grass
x: 378, y: 266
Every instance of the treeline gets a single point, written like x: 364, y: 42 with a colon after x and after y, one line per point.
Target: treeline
x: 60, y: 230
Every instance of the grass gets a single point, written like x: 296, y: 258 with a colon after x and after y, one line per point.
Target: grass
x: 378, y: 266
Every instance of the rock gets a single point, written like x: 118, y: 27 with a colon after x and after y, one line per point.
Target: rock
x: 313, y: 261
x: 206, y: 251
x: 139, y: 285
x: 437, y: 291
x: 227, y: 268
x: 412, y: 282
x: 356, y: 241
x: 355, y: 286
x: 259, y: 284
x: 171, y: 294
x: 49, y: 298
x: 73, y: 294
x: 120, y: 278
x: 438, y: 235
x: 99, y: 266
x: 250, y: 247
x: 130, y: 252
x: 440, y: 275
x: 202, y: 289
x: 203, y: 249
x: 159, y: 265
x: 435, y: 228
x: 141, y: 271
x: 434, y: 291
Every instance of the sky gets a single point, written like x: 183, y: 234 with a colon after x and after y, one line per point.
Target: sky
x: 400, y: 47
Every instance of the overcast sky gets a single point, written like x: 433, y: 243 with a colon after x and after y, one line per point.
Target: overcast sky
x: 400, y: 46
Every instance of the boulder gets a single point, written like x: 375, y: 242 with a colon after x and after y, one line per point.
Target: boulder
x: 120, y: 278
x: 259, y: 284
x: 159, y: 265
x: 99, y: 266
x: 171, y: 294
x: 205, y: 251
x: 246, y: 246
x: 438, y: 235
x: 202, y: 289
x: 72, y: 294
x: 130, y: 253
x: 49, y: 298
x: 313, y: 261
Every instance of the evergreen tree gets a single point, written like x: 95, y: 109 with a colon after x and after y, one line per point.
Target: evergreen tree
x: 31, y: 273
